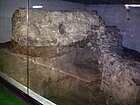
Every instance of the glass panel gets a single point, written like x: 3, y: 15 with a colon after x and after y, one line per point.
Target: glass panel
x: 13, y: 61
x: 76, y: 52
x: 72, y: 53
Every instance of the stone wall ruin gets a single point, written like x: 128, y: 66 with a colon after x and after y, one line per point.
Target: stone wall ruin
x: 77, y: 58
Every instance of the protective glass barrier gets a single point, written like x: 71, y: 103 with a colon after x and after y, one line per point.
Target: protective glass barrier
x: 63, y: 63
x: 68, y: 53
x: 13, y: 61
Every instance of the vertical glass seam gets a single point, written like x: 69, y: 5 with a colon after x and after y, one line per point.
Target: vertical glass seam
x: 27, y: 46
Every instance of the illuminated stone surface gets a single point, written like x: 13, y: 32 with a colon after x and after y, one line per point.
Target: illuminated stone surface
x: 53, y: 28
x: 72, y: 56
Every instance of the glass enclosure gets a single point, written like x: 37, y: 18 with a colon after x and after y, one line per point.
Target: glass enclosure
x: 67, y: 53
x: 10, y: 51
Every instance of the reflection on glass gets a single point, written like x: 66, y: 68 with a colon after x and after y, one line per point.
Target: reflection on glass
x: 72, y: 54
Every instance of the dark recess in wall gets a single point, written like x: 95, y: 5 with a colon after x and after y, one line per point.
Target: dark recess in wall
x: 132, y: 54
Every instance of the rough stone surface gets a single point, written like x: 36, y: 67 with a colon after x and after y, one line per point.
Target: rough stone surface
x: 70, y: 51
x: 51, y: 83
x: 77, y: 34
x: 47, y: 28
x: 67, y: 70
x: 120, y: 72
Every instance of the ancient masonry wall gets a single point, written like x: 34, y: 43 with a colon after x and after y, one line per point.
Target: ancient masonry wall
x: 73, y: 55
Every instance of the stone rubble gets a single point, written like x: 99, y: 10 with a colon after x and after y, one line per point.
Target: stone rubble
x: 80, y: 46
x: 119, y: 72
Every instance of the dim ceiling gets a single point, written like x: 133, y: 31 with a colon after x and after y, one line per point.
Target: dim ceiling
x: 106, y: 1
